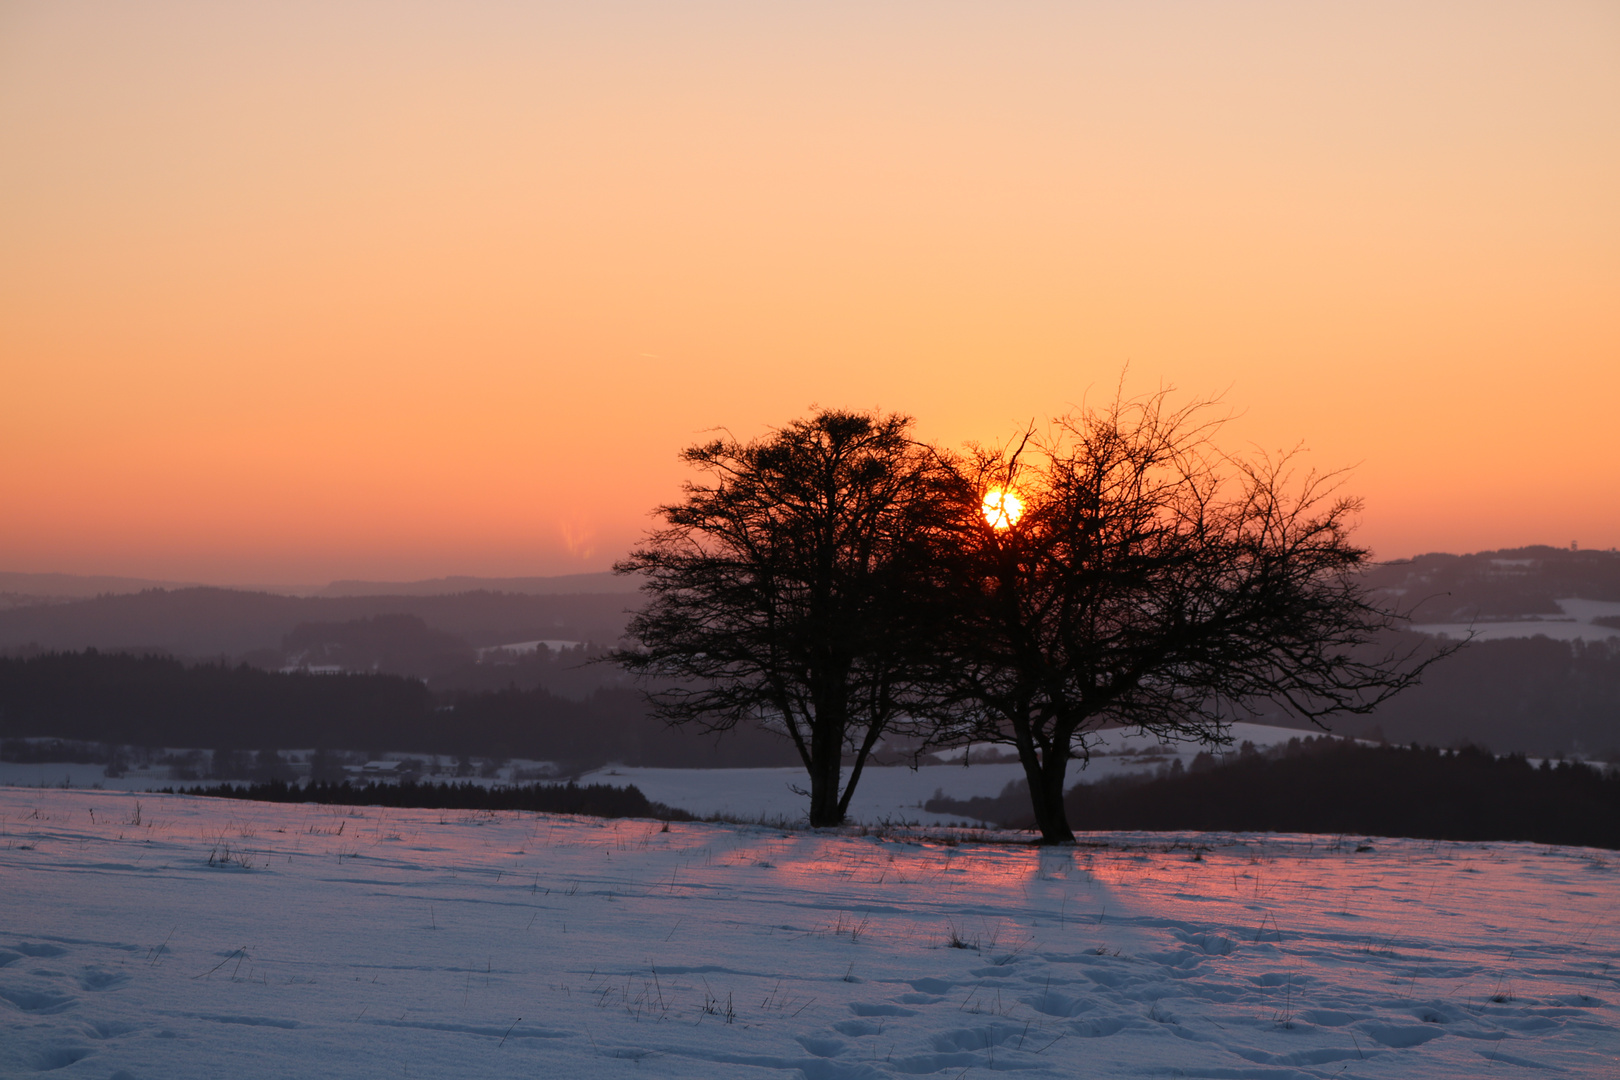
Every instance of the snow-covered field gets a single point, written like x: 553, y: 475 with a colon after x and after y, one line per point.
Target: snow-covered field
x: 165, y: 936
x: 1574, y: 625
x: 884, y: 795
x: 896, y: 794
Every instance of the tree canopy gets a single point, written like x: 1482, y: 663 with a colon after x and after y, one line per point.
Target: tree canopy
x: 1150, y: 581
x: 837, y: 579
x: 783, y: 589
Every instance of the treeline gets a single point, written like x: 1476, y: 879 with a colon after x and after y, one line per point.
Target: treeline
x: 391, y: 644
x: 1334, y: 786
x: 574, y: 672
x: 595, y: 800
x: 160, y: 701
x: 608, y: 725
x: 155, y: 701
x: 1530, y: 695
x: 406, y: 645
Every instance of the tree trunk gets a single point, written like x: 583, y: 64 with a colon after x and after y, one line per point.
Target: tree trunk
x: 1045, y: 774
x: 873, y: 730
x: 1046, y: 796
x: 826, y: 767
x: 824, y: 777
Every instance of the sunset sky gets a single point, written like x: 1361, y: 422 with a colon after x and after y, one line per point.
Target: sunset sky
x: 294, y: 292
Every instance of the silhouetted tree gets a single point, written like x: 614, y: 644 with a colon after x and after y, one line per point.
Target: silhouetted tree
x: 1154, y: 582
x: 781, y: 590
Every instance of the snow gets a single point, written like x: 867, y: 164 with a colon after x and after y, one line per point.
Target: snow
x: 895, y: 794
x: 892, y: 794
x: 80, y: 775
x: 146, y: 936
x: 884, y: 794
x: 1574, y: 625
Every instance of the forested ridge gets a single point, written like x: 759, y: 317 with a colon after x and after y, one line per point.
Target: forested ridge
x: 158, y: 701
x: 1531, y: 695
x: 1527, y: 695
x: 235, y: 623
x: 1535, y: 696
x: 1512, y: 583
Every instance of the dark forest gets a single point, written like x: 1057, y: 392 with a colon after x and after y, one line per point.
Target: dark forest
x: 1334, y: 786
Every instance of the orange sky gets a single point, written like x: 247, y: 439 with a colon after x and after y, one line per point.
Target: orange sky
x: 294, y: 292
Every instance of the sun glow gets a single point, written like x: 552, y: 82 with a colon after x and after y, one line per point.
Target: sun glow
x: 1002, y: 508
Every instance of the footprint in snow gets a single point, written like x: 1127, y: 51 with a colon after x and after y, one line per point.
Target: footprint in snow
x: 822, y: 1047
x: 1401, y: 1036
x: 826, y: 1069
x: 98, y: 979
x: 43, y: 1002
x: 1105, y: 1026
x: 60, y: 1057
x: 39, y: 949
x: 1056, y: 1003
x: 978, y: 1038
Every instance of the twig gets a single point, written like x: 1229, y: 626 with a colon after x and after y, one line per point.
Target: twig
x: 222, y: 963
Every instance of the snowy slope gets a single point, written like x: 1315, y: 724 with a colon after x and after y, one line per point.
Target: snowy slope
x: 174, y: 937
x: 1576, y: 624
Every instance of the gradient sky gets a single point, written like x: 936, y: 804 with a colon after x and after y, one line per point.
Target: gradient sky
x: 292, y: 292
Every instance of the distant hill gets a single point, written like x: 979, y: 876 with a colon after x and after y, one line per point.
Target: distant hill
x: 147, y: 701
x: 1497, y: 585
x: 24, y: 589
x: 1537, y: 695
x: 28, y: 590
x: 560, y: 585
x: 210, y: 622
x: 78, y: 585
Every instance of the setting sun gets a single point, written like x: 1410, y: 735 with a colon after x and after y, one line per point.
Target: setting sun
x: 1002, y: 508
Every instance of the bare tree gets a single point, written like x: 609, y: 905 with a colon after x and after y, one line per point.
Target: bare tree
x: 1138, y: 576
x: 781, y: 590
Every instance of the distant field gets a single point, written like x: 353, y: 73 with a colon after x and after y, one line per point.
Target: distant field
x: 884, y: 793
x: 896, y: 794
